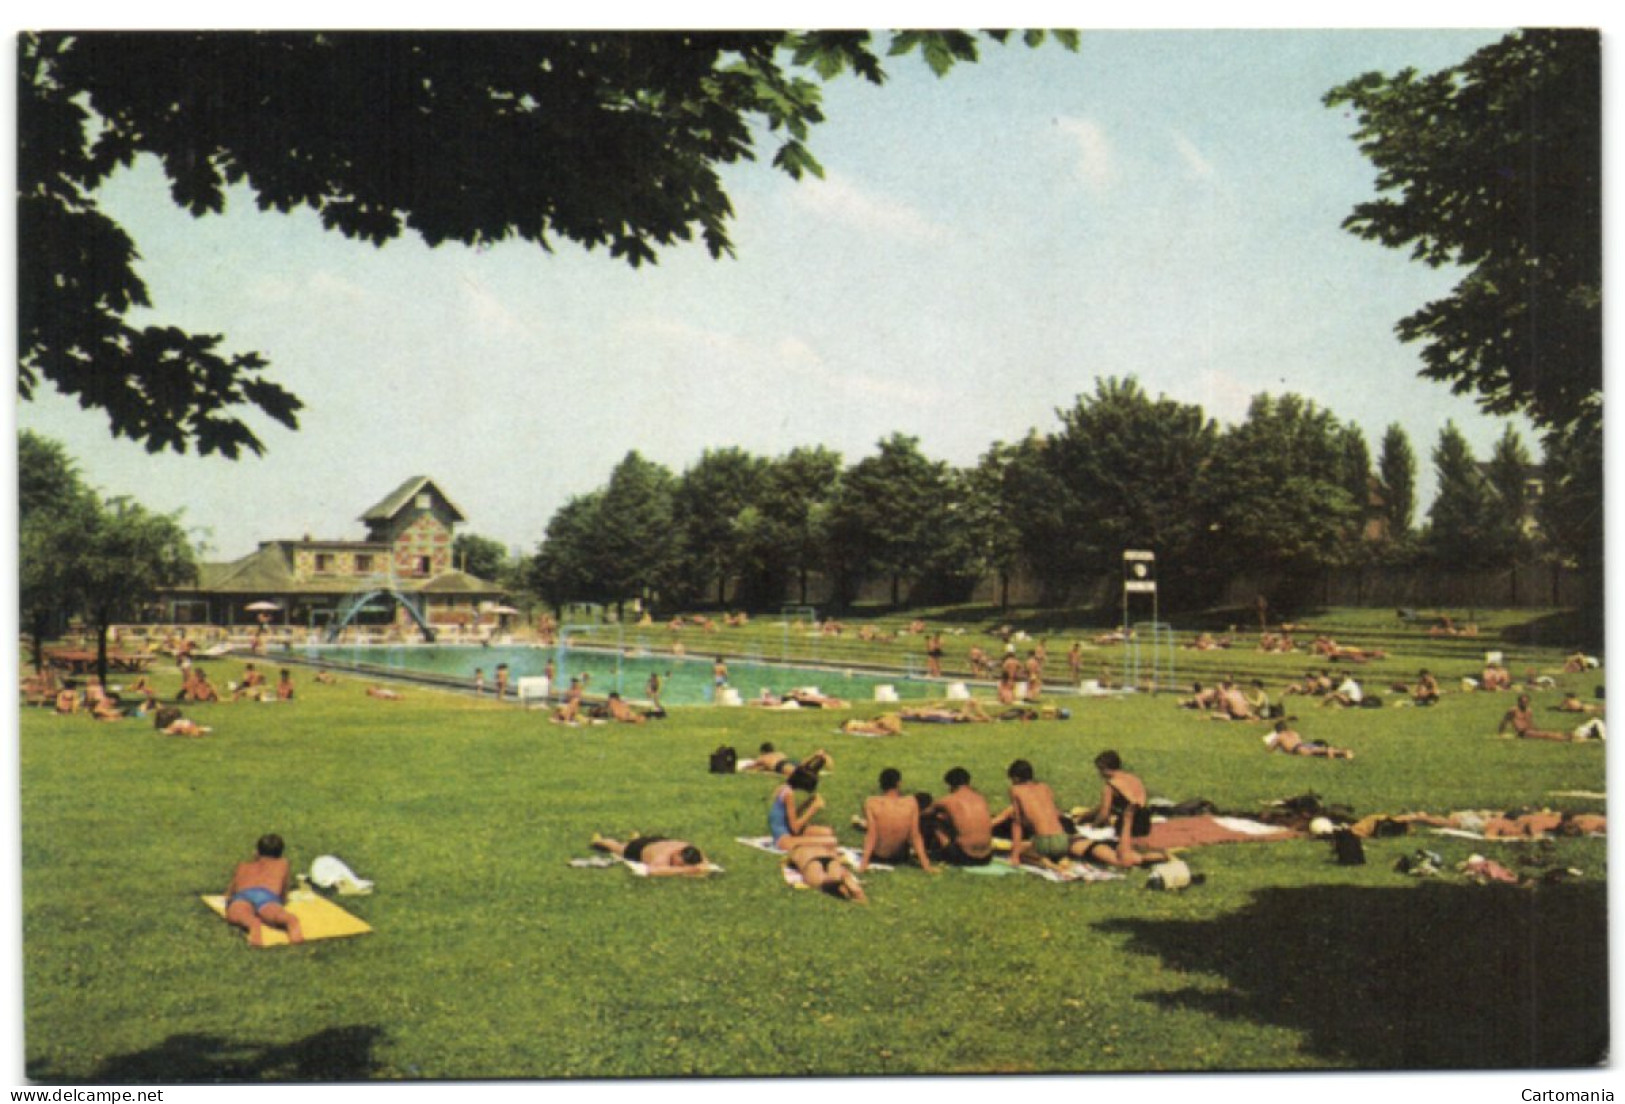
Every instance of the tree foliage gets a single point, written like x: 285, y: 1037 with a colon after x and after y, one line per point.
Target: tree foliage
x: 604, y: 140
x: 480, y: 556
x: 1459, y: 519
x: 1495, y: 165
x: 1396, y: 471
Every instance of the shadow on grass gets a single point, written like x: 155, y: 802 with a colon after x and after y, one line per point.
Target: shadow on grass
x: 334, y: 1054
x: 1429, y: 976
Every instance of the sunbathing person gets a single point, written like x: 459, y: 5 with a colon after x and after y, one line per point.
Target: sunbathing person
x: 326, y: 678
x: 1521, y: 719
x: 961, y: 825
x: 106, y: 708
x: 253, y: 682
x: 1576, y: 664
x: 1571, y: 703
x: 790, y: 823
x: 769, y: 760
x: 1283, y: 739
x: 1231, y: 705
x: 1495, y: 677
x: 1122, y: 797
x: 821, y: 867
x: 384, y: 693
x: 618, y: 710
x: 809, y: 698
x: 258, y: 891
x: 960, y: 712
x: 1201, y: 698
x: 1348, y: 694
x: 67, y: 699
x: 1426, y: 691
x: 892, y: 825
x: 663, y: 857
x: 1313, y: 685
x: 1036, y: 834
x: 887, y: 724
x: 197, y: 687
x: 1258, y: 701
x: 284, y: 686
x: 170, y: 722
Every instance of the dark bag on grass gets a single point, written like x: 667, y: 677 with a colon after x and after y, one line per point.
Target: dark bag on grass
x: 1142, y: 823
x: 166, y: 716
x: 724, y: 760
x: 1348, y: 848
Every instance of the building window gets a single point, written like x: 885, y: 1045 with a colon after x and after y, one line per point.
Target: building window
x: 324, y: 562
x: 424, y: 565
x: 363, y: 562
x: 423, y: 501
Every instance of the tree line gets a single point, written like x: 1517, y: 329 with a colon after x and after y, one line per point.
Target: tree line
x: 1290, y: 491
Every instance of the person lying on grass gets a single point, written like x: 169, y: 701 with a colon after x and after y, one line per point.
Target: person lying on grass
x: 1036, y: 834
x: 959, y: 826
x: 769, y: 760
x: 1313, y: 685
x: 258, y: 891
x: 615, y: 709
x: 887, y: 724
x: 821, y: 866
x: 1203, y: 698
x: 949, y: 712
x: 169, y: 721
x: 790, y: 823
x: 892, y: 825
x: 1571, y: 703
x: 812, y: 699
x: 1122, y: 796
x: 1521, y: 719
x: 1283, y: 739
x: 384, y: 693
x: 664, y: 857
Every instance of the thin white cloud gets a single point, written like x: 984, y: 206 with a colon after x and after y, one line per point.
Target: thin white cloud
x: 1096, y: 164
x: 1199, y: 165
x: 840, y: 200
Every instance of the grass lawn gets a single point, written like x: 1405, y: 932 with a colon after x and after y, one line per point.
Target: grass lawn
x: 492, y: 958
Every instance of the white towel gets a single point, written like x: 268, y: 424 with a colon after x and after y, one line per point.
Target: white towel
x: 330, y: 872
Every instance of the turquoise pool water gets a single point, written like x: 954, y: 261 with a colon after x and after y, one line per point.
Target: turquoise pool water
x: 686, y: 680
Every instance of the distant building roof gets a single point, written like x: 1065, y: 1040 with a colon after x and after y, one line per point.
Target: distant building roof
x: 394, y: 502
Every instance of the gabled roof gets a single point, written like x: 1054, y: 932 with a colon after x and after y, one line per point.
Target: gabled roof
x: 394, y: 502
x: 267, y: 568
x: 457, y: 582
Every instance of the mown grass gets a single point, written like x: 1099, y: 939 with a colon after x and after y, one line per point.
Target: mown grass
x: 493, y: 958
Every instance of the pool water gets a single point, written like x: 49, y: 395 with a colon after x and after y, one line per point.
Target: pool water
x: 685, y: 680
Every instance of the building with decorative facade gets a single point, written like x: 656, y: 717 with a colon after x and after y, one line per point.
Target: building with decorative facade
x: 400, y: 577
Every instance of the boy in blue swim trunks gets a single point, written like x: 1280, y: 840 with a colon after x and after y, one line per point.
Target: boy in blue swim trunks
x: 257, y: 892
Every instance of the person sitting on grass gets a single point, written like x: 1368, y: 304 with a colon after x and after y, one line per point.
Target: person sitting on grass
x: 1036, y: 834
x: 1258, y: 701
x: 769, y: 760
x: 892, y: 825
x: 1122, y: 797
x: 106, y: 707
x: 1521, y: 720
x: 67, y: 698
x: 1348, y: 694
x: 1283, y: 739
x: 197, y: 687
x: 821, y: 867
x: 258, y: 891
x: 1231, y: 705
x: 1203, y: 698
x: 618, y: 710
x: 790, y: 823
x: 961, y: 825
x: 663, y: 857
x: 1313, y: 685
x: 384, y: 693
x: 326, y: 678
x: 1495, y: 677
x: 284, y: 686
x: 253, y: 682
x: 1426, y: 691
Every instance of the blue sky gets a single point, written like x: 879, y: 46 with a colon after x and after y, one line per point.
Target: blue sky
x: 1159, y: 204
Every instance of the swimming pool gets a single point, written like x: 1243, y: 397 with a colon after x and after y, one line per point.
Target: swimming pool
x: 685, y: 680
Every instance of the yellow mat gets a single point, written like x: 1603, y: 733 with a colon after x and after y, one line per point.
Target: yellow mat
x: 319, y: 918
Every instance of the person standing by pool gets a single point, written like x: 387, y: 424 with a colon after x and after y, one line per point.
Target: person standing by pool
x: 933, y: 656
x: 719, y: 673
x: 652, y: 689
x: 502, y: 681
x: 479, y: 681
